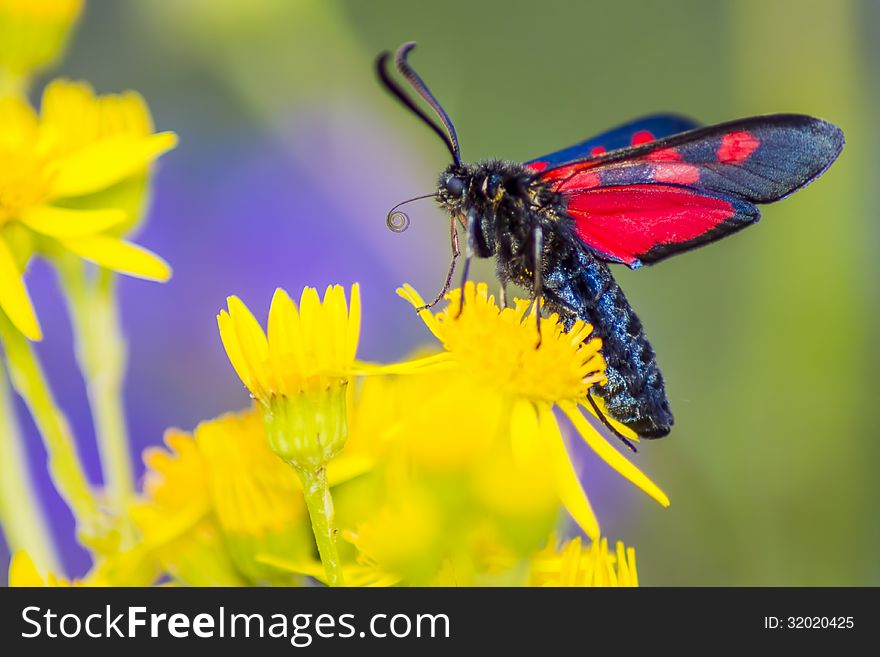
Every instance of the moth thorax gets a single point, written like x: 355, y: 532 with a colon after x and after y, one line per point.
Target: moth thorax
x: 492, y: 187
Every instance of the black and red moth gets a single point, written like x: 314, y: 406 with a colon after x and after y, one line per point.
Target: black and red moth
x: 635, y: 195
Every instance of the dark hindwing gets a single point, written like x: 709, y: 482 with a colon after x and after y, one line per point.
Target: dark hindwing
x: 633, y: 133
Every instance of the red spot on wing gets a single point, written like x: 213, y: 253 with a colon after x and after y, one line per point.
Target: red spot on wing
x: 736, y: 147
x: 597, y: 150
x: 664, y: 155
x: 625, y: 222
x: 642, y: 137
x: 537, y: 166
x: 676, y: 173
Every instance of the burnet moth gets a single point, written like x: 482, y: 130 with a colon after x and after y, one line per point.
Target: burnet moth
x: 635, y: 195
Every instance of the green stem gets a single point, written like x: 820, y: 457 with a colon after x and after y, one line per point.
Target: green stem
x: 22, y: 520
x: 101, y: 354
x: 64, y: 464
x: 320, y: 506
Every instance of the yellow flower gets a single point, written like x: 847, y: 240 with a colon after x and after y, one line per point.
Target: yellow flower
x: 23, y: 572
x: 404, y: 536
x: 117, y: 571
x: 218, y: 499
x: 33, y: 34
x: 497, y: 348
x: 176, y: 520
x: 300, y: 371
x: 307, y: 348
x: 445, y: 482
x: 73, y: 179
x: 576, y: 565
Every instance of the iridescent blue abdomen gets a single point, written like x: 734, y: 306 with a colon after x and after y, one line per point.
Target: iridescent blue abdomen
x: 583, y: 288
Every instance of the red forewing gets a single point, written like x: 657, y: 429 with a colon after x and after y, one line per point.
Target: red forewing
x: 639, y: 224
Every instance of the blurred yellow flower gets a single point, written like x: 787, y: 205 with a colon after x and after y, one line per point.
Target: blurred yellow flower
x: 497, y: 349
x: 33, y: 33
x: 58, y: 176
x: 573, y: 564
x: 218, y: 499
x: 23, y: 572
x: 446, y: 499
x: 404, y: 536
x: 119, y: 570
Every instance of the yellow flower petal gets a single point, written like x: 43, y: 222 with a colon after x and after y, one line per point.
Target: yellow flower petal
x: 524, y: 431
x: 252, y: 346
x: 100, y: 165
x: 281, y: 333
x: 236, y: 357
x: 120, y: 256
x: 435, y: 363
x: 19, y: 121
x: 622, y: 429
x: 74, y: 116
x: 348, y: 467
x: 66, y: 222
x: 610, y: 455
x: 23, y: 572
x: 409, y: 293
x: 14, y: 298
x: 354, y: 324
x: 568, y: 486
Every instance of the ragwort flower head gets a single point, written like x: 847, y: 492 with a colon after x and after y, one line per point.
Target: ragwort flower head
x: 573, y: 564
x: 33, y: 34
x: 119, y: 570
x: 498, y: 347
x: 219, y: 505
x: 23, y: 573
x: 299, y: 370
x: 73, y: 180
x: 216, y: 498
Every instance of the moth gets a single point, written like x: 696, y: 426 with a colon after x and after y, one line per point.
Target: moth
x: 635, y: 195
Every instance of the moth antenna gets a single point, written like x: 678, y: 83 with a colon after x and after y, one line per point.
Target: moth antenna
x: 400, y: 94
x: 422, y: 89
x: 398, y: 221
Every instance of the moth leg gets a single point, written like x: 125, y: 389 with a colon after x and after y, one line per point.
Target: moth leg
x: 608, y: 424
x: 502, y: 295
x: 456, y: 252
x: 538, y: 245
x: 468, y: 256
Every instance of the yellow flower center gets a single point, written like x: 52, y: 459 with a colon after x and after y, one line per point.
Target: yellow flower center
x: 500, y: 346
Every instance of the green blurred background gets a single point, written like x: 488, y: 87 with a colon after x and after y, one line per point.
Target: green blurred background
x: 767, y: 340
